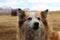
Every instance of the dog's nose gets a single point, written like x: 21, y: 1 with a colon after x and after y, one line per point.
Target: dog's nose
x: 36, y: 23
x: 36, y: 26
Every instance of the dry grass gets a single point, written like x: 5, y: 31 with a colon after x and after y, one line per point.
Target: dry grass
x: 8, y: 25
x: 54, y: 20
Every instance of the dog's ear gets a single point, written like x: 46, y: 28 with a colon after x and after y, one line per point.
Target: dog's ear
x: 44, y: 14
x: 21, y: 14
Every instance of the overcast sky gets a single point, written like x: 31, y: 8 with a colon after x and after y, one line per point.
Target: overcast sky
x: 32, y: 4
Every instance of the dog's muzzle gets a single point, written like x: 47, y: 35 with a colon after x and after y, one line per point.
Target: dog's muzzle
x: 35, y: 25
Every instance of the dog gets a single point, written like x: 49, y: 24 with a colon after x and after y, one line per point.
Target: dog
x: 34, y: 26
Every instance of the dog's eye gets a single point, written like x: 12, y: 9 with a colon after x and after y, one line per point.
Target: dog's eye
x: 29, y: 18
x: 38, y: 18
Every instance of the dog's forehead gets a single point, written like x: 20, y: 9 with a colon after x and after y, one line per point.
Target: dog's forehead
x: 31, y: 14
x: 34, y: 14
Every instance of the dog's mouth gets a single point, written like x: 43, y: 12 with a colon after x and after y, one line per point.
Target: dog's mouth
x: 34, y: 28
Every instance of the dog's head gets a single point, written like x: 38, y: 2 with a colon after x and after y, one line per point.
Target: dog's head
x: 32, y: 20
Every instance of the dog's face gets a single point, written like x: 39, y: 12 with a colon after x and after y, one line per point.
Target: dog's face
x: 32, y: 20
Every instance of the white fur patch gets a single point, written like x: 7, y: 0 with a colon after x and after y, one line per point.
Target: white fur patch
x: 31, y: 14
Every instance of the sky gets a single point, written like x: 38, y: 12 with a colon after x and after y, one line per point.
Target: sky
x: 32, y: 4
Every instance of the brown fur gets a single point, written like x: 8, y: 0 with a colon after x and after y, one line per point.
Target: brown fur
x: 54, y: 36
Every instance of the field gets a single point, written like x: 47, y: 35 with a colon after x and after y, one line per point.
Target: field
x: 54, y: 20
x: 8, y: 25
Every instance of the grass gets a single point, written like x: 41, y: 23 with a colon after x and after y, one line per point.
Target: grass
x: 54, y: 20
x: 8, y: 27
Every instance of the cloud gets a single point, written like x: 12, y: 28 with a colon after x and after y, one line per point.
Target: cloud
x: 43, y: 1
x: 43, y: 7
x: 11, y: 3
x: 39, y: 7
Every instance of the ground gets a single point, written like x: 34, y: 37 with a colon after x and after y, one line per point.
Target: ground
x: 8, y: 25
